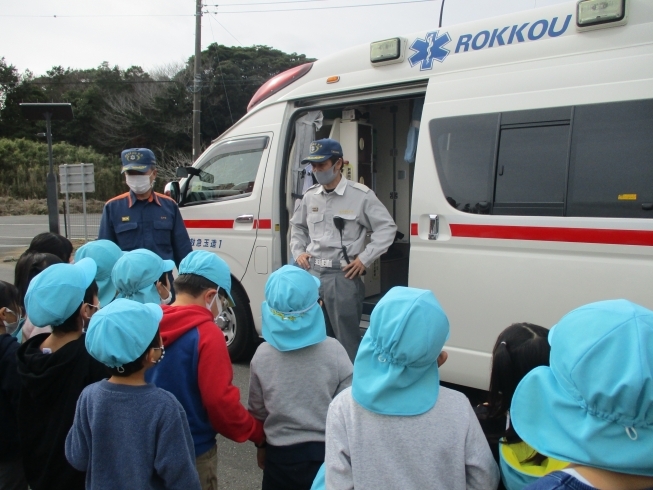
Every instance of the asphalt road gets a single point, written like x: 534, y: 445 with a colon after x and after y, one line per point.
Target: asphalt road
x: 16, y: 232
x: 237, y: 469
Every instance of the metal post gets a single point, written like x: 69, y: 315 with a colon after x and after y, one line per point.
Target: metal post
x: 67, y: 210
x: 84, y: 203
x: 393, y: 110
x: 197, y: 80
x: 53, y: 207
x: 65, y: 222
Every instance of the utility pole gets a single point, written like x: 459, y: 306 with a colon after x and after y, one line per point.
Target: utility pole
x: 197, y: 80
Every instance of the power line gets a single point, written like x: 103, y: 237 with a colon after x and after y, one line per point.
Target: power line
x: 229, y: 81
x: 258, y: 3
x: 325, y: 8
x: 98, y: 15
x: 228, y: 32
x: 226, y: 12
x: 217, y: 55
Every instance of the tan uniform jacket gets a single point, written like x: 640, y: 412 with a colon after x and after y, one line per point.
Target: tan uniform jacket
x: 313, y: 230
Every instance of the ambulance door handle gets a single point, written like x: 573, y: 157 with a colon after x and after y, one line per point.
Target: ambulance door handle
x: 434, y: 227
x: 245, y: 218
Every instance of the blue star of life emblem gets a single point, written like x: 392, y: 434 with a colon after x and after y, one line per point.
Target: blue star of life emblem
x: 428, y: 49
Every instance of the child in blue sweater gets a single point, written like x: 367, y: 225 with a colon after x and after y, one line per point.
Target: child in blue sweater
x: 127, y: 433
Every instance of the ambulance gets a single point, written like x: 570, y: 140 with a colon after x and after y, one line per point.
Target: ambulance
x: 515, y: 154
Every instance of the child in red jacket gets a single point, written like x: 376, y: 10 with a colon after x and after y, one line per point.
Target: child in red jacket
x: 197, y: 368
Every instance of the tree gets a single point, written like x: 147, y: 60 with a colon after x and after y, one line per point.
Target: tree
x: 116, y: 109
x: 24, y: 168
x: 231, y: 76
x: 14, y: 89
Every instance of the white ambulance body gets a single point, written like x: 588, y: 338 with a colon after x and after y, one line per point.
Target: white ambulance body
x: 531, y: 191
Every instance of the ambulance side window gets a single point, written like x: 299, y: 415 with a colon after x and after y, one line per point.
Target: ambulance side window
x: 531, y: 172
x: 611, y: 165
x: 592, y: 160
x: 229, y: 172
x: 464, y: 149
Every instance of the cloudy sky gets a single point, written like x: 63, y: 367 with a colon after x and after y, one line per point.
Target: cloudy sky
x: 39, y: 34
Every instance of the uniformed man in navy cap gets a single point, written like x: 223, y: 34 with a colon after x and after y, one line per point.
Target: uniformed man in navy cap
x: 328, y: 239
x: 142, y: 218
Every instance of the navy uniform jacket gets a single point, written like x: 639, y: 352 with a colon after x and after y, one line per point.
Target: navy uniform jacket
x: 154, y: 224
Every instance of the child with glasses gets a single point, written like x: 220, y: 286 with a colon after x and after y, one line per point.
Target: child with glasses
x: 128, y: 433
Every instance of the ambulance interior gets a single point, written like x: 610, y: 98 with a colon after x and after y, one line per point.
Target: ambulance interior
x: 374, y: 138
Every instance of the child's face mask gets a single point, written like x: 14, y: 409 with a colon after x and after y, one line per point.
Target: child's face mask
x: 12, y: 326
x: 209, y: 306
x: 91, y: 309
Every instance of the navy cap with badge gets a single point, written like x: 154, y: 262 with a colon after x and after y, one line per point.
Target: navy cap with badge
x: 138, y: 159
x: 322, y: 150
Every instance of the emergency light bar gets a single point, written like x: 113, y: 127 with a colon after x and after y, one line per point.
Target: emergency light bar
x: 595, y: 14
x: 387, y: 51
x: 279, y: 82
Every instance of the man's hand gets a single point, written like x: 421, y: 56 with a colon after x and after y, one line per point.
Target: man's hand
x: 354, y: 269
x: 260, y: 457
x: 302, y: 261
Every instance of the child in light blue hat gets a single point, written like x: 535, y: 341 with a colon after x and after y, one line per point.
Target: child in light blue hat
x: 54, y: 369
x: 137, y: 275
x: 197, y: 369
x: 593, y: 406
x: 294, y: 376
x: 397, y: 428
x: 124, y: 422
x: 105, y: 253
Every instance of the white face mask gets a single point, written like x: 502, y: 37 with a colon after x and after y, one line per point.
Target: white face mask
x: 11, y: 327
x: 140, y: 184
x: 209, y: 307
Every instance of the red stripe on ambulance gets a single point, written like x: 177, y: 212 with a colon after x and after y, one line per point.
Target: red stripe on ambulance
x: 209, y: 223
x: 550, y: 234
x: 262, y: 224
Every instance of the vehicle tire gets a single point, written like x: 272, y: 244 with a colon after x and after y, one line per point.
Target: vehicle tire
x: 239, y: 333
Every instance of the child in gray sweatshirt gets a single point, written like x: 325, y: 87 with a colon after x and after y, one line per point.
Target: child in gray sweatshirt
x: 397, y: 428
x: 293, y: 378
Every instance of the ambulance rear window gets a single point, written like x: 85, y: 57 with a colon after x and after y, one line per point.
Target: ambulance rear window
x: 611, y: 167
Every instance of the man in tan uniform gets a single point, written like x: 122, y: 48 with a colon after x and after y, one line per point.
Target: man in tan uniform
x: 321, y: 248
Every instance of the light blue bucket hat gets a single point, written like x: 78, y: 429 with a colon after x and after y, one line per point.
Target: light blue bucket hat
x: 209, y: 266
x: 136, y: 272
x: 319, y: 483
x: 57, y: 292
x: 292, y: 316
x: 594, y: 405
x: 121, y: 332
x: 396, y: 369
x: 105, y: 253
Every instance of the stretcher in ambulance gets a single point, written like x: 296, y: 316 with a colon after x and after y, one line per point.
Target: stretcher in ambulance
x: 515, y: 154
